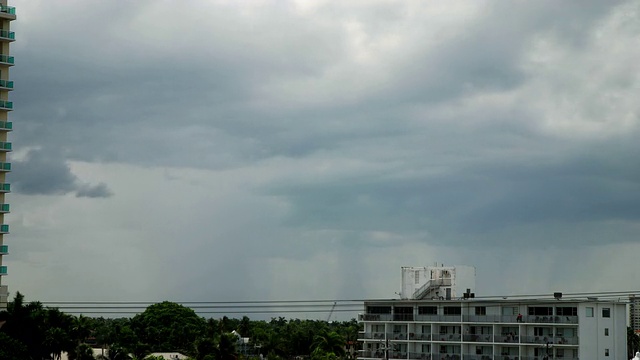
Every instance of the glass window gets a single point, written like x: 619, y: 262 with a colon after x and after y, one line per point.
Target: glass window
x: 427, y: 310
x: 452, y: 310
x: 606, y: 352
x: 481, y: 310
x: 589, y: 312
x: 606, y: 331
x: 606, y: 312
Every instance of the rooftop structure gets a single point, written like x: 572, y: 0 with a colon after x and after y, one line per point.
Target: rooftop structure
x: 437, y: 282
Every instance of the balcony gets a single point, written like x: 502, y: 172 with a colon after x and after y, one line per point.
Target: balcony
x: 378, y: 354
x: 4, y: 229
x: 7, y: 12
x: 4, y: 208
x: 5, y: 167
x: 419, y: 356
x: 420, y: 337
x: 397, y: 336
x: 6, y: 105
x: 7, y: 60
x: 445, y: 356
x: 532, y: 319
x: 552, y: 340
x: 6, y: 125
x: 4, y: 249
x: 3, y: 270
x: 6, y: 85
x: 483, y: 357
x: 6, y: 35
x: 376, y: 336
x: 5, y: 188
x: 446, y: 337
x: 5, y: 146
x: 478, y: 338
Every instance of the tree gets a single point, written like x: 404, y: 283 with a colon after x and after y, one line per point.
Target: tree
x: 329, y: 342
x: 11, y: 349
x: 168, y: 326
x: 633, y: 342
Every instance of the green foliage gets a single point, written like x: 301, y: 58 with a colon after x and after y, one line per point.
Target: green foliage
x: 633, y: 342
x: 11, y: 349
x: 33, y: 331
x: 168, y: 326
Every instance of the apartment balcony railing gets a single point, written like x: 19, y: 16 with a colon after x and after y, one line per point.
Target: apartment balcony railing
x: 438, y: 318
x: 479, y: 357
x: 419, y: 356
x: 4, y: 166
x: 525, y: 319
x: 5, y: 187
x: 4, y: 229
x: 6, y: 84
x: 419, y: 337
x: 4, y: 249
x: 478, y: 338
x: 397, y: 355
x: 7, y: 9
x: 376, y: 336
x: 3, y: 270
x: 507, y: 338
x: 470, y: 318
x: 541, y: 357
x: 5, y: 146
x: 446, y: 337
x: 556, y: 340
x: 445, y: 356
x: 376, y: 354
x: 7, y: 60
x: 7, y: 35
x: 397, y: 336
x: 6, y: 105
x: 4, y: 208
x: 6, y: 125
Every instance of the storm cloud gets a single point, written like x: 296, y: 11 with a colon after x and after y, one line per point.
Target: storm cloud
x: 239, y: 144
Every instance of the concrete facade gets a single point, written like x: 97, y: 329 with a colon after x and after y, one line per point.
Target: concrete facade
x: 7, y: 14
x: 475, y: 329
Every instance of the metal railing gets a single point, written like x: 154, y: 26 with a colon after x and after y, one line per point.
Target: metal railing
x: 7, y: 59
x: 420, y: 336
x: 469, y: 318
x: 478, y: 337
x: 431, y: 285
x: 8, y: 9
x: 6, y: 34
x: 446, y: 337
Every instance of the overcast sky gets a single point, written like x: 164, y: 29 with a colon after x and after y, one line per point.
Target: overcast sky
x: 278, y: 150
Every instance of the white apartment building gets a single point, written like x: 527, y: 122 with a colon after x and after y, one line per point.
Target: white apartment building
x: 483, y: 329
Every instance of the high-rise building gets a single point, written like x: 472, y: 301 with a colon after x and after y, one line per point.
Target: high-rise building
x: 634, y: 313
x: 7, y: 14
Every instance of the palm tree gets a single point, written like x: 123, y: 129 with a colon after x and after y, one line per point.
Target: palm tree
x: 56, y: 341
x: 329, y: 342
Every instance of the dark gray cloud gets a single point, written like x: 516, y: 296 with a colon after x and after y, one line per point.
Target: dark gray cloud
x: 254, y: 139
x: 45, y: 172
